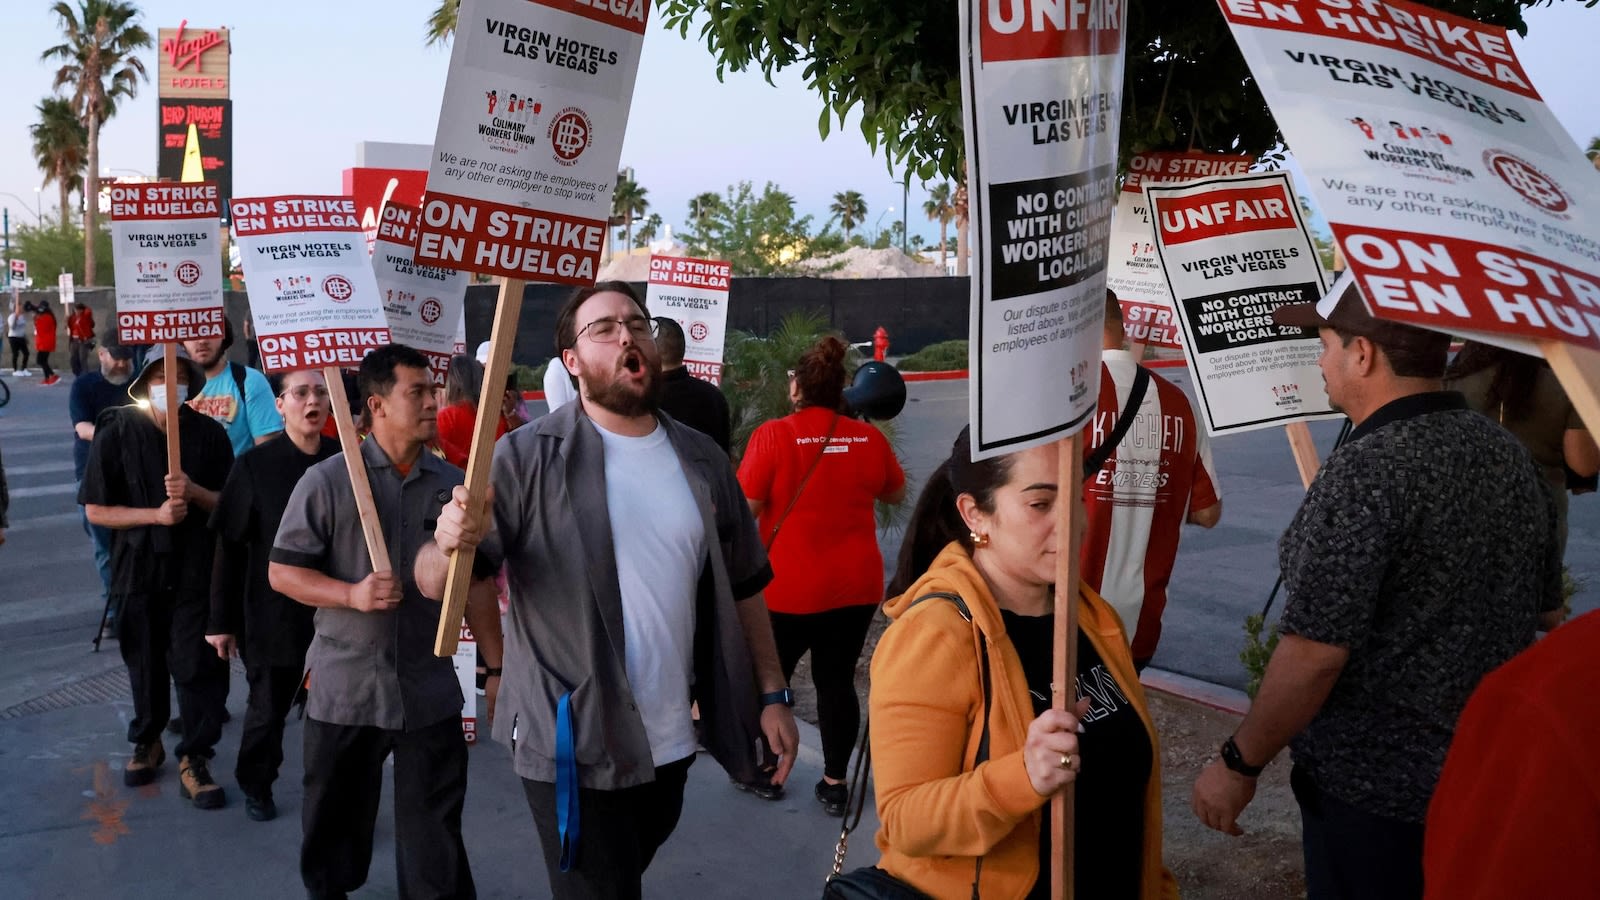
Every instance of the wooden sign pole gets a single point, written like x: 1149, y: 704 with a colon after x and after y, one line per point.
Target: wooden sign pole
x: 1064, y: 674
x: 360, y: 480
x: 507, y: 311
x: 1578, y: 368
x: 1304, y: 450
x: 169, y: 374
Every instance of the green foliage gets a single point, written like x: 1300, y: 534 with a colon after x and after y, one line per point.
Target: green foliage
x: 51, y: 248
x: 944, y: 356
x: 897, y: 65
x: 60, y: 148
x: 849, y: 208
x: 1256, y: 651
x: 758, y: 234
x: 529, y: 378
x: 629, y: 201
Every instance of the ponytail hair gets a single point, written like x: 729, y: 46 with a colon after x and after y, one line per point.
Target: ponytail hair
x: 820, y: 374
x: 937, y: 521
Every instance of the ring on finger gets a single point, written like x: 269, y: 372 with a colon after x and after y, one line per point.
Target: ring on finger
x: 1068, y: 761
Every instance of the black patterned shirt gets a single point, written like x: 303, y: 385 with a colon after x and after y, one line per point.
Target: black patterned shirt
x: 1426, y: 546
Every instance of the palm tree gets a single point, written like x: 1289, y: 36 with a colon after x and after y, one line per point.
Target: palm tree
x: 628, y: 202
x: 649, y: 230
x: 99, y: 60
x: 850, y: 209
x: 442, y: 23
x: 958, y: 208
x: 940, y: 209
x: 60, y: 147
x: 703, y: 208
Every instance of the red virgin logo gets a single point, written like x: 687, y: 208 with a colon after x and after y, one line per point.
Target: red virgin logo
x: 180, y: 53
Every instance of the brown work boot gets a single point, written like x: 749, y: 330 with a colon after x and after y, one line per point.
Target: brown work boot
x: 147, y: 758
x: 194, y: 783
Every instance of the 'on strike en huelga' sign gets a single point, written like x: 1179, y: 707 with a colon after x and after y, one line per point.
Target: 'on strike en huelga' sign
x: 1134, y: 269
x: 423, y: 304
x: 1235, y: 249
x: 530, y: 134
x: 1460, y: 203
x: 694, y: 292
x: 166, y: 254
x: 1041, y: 91
x: 312, y: 296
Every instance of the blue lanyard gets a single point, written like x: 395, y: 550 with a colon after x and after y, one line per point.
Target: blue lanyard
x: 566, y: 784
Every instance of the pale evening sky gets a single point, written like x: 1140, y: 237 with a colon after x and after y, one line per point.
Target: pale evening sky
x: 312, y: 79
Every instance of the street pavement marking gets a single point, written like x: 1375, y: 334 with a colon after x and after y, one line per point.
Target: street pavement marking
x: 46, y: 490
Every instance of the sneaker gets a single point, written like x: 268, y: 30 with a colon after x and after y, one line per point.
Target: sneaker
x: 147, y: 758
x: 194, y: 783
x: 833, y: 797
x: 259, y: 807
x: 764, y: 789
x: 51, y: 380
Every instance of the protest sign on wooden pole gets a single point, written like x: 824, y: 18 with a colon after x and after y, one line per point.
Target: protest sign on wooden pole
x: 1457, y: 199
x: 453, y: 605
x: 524, y: 164
x: 1042, y: 103
x: 167, y: 259
x: 315, y: 305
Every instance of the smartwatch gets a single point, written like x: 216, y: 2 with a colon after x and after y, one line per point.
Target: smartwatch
x: 785, y: 696
x: 1234, y: 760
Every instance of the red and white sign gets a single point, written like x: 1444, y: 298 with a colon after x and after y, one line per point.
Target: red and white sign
x: 530, y: 135
x: 1134, y: 270
x: 1233, y: 250
x: 372, y: 188
x: 1041, y: 94
x: 313, y: 297
x: 1459, y: 201
x: 694, y: 292
x: 422, y: 303
x: 167, y: 257
x: 19, y: 270
x: 466, y: 665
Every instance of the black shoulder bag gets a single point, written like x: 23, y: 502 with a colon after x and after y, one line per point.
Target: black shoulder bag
x: 1096, y: 460
x: 871, y: 882
x: 822, y: 451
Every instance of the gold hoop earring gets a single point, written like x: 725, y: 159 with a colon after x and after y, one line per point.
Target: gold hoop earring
x: 978, y: 540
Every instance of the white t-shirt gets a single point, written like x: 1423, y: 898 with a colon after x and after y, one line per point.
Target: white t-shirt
x: 660, y: 544
x: 558, y: 387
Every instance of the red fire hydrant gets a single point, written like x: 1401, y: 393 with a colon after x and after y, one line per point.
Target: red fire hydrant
x: 880, y: 344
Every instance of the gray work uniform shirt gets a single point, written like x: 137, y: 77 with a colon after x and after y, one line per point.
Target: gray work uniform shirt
x: 372, y: 668
x: 565, y: 632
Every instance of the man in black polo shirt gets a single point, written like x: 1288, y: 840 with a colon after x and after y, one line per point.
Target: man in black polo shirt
x: 692, y: 401
x: 92, y: 394
x: 1423, y: 557
x: 161, y: 556
x: 376, y: 687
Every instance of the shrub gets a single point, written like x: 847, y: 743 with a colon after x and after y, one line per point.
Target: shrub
x: 941, y: 357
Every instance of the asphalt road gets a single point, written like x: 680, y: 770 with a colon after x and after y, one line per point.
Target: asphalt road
x: 50, y: 596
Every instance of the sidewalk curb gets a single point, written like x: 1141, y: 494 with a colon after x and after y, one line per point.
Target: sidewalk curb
x: 1216, y: 696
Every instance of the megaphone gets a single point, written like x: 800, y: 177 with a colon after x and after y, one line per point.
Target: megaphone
x: 877, y: 392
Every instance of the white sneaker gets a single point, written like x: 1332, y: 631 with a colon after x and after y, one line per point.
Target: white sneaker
x: 26, y: 373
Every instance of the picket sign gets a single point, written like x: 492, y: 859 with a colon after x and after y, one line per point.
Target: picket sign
x: 1578, y: 369
x: 453, y: 605
x: 360, y: 480
x: 1064, y: 657
x: 169, y: 366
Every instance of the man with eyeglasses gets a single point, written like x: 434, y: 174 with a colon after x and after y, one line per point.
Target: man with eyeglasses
x: 636, y: 574
x: 248, y: 618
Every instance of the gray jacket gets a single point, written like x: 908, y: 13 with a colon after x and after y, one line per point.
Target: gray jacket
x: 565, y: 631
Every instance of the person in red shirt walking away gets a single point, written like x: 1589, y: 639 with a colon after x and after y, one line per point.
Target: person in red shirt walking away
x: 812, y: 479
x: 80, y: 337
x: 463, y: 384
x: 1159, y: 476
x: 44, y: 340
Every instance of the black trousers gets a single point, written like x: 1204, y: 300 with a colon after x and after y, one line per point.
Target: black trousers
x: 78, y: 356
x: 19, y: 353
x: 272, y: 690
x: 834, y: 638
x: 44, y: 363
x: 162, y: 636
x: 343, y: 785
x: 1351, y: 854
x: 619, y: 834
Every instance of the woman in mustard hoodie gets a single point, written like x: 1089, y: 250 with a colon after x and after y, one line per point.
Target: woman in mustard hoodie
x: 954, y: 826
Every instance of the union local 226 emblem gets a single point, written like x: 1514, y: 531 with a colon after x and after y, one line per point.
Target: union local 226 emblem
x: 338, y: 288
x: 431, y: 310
x: 188, y: 272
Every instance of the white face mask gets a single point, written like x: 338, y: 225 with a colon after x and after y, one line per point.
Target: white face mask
x: 158, y: 395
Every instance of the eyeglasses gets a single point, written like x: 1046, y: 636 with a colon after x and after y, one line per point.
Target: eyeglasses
x: 305, y: 391
x: 609, y: 331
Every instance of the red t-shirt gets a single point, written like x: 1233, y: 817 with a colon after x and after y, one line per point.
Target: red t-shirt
x: 1516, y: 812
x: 826, y: 554
x: 80, y: 325
x: 44, y: 332
x: 1139, y: 499
x: 456, y: 422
